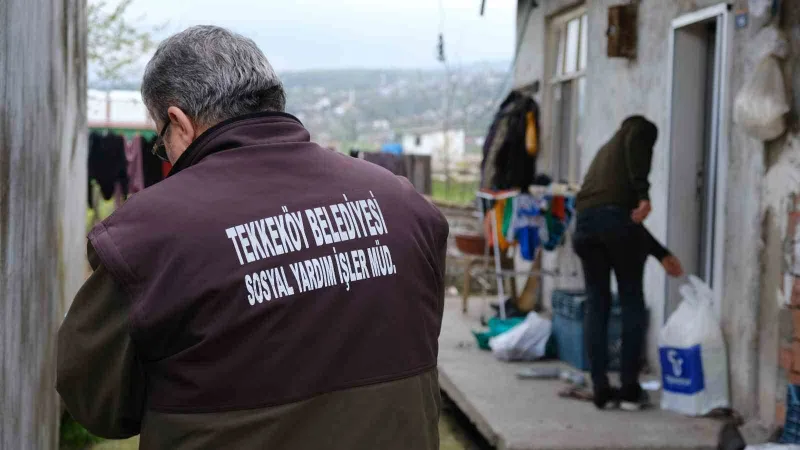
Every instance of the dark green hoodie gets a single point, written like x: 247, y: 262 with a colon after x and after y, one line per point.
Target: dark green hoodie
x: 619, y: 171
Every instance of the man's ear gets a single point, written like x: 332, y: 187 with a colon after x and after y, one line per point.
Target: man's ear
x: 182, y: 129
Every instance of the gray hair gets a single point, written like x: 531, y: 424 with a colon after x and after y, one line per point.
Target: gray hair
x: 212, y: 74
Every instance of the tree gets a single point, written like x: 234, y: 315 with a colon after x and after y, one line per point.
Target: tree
x: 115, y: 44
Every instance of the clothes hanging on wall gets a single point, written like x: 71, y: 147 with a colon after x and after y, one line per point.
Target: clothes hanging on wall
x: 512, y: 144
x: 107, y: 164
x: 531, y: 134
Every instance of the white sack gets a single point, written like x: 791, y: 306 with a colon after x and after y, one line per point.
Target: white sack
x: 694, y: 360
x: 525, y: 342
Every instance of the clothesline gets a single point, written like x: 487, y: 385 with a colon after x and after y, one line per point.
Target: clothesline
x: 532, y: 221
x: 539, y: 218
x: 120, y: 162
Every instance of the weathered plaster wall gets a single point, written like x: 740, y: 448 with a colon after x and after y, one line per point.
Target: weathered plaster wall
x: 617, y: 88
x: 782, y: 179
x: 775, y: 320
x: 42, y: 198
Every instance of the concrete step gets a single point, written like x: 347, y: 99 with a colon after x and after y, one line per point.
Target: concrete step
x: 518, y: 414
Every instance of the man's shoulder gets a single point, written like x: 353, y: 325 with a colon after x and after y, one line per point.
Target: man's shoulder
x: 142, y: 214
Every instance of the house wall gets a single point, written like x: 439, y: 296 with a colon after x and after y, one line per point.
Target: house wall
x: 617, y: 88
x: 433, y: 144
x: 42, y: 205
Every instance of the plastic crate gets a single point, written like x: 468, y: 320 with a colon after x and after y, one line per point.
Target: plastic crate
x: 568, y: 330
x: 570, y: 304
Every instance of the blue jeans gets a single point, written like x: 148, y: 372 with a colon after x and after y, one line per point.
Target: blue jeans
x: 607, y: 239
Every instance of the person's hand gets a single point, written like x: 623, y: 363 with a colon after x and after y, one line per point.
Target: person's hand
x: 673, y: 266
x: 639, y: 214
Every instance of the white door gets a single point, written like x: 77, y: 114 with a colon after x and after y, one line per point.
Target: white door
x: 695, y: 178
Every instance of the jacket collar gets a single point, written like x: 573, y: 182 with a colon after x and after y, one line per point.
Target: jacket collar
x: 250, y: 129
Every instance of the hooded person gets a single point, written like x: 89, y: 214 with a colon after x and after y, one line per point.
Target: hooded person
x: 269, y: 293
x: 613, y: 202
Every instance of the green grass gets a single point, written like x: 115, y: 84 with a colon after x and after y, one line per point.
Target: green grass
x: 451, y: 437
x: 74, y: 436
x: 129, y: 444
x: 105, y: 208
x: 458, y: 193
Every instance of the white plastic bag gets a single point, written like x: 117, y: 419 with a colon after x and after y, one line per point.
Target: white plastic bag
x: 694, y: 361
x: 761, y: 104
x: 525, y: 342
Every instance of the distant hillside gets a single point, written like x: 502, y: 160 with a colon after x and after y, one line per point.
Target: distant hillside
x: 367, y: 107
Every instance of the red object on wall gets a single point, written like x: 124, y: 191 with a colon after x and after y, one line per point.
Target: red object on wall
x: 795, y: 294
x: 786, y: 357
x: 796, y: 356
x: 165, y: 168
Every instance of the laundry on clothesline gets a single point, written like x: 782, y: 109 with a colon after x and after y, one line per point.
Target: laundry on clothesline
x: 530, y: 221
x: 121, y: 163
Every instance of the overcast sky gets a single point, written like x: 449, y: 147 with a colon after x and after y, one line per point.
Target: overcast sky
x: 332, y: 34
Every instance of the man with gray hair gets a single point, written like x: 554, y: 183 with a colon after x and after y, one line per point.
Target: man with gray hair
x: 269, y: 293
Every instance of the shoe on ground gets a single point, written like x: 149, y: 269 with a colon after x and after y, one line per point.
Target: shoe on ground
x: 607, y: 398
x: 634, y: 399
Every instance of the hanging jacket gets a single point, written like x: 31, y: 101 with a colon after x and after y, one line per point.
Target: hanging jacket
x: 269, y: 293
x: 511, y: 146
x: 107, y: 164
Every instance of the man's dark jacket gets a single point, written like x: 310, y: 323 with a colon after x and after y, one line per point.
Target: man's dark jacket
x: 269, y: 294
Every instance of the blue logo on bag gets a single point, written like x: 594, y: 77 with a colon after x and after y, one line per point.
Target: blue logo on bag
x: 682, y: 370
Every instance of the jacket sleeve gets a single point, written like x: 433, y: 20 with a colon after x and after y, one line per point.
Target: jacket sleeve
x: 654, y: 247
x: 99, y: 375
x: 638, y: 157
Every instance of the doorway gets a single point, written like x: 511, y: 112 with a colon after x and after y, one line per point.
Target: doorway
x: 697, y: 147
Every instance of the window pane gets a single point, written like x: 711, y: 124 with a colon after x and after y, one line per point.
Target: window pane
x: 565, y: 118
x: 577, y: 146
x: 554, y: 149
x: 584, y: 42
x: 559, y: 67
x: 571, y: 54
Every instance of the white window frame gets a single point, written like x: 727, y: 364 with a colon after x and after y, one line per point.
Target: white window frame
x: 551, y: 116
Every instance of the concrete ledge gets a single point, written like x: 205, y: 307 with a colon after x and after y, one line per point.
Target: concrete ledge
x: 464, y: 405
x: 515, y: 414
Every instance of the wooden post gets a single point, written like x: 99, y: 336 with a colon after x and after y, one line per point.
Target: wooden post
x: 42, y: 206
